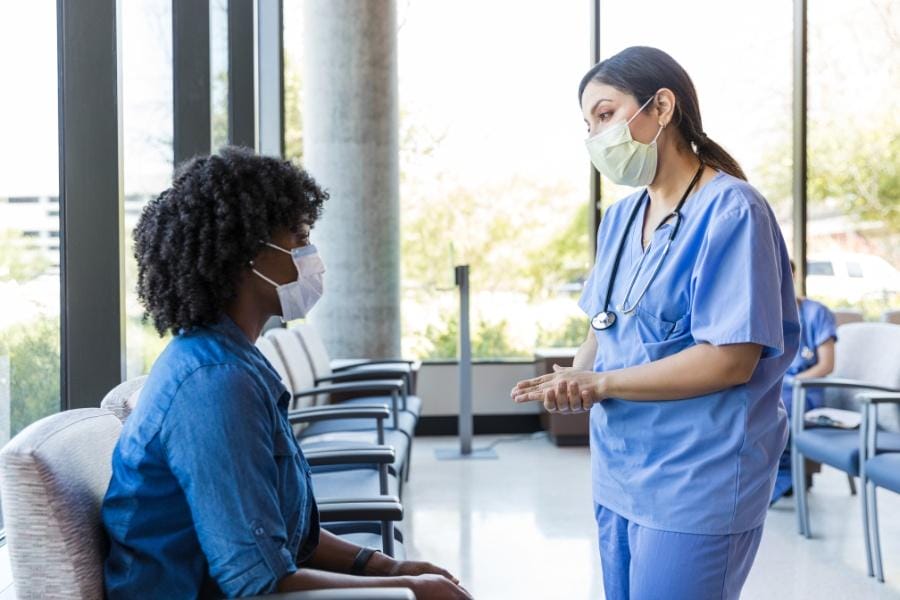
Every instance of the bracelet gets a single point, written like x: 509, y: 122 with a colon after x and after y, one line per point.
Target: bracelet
x: 361, y: 560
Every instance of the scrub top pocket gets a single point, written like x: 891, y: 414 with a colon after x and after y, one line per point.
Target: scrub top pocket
x: 661, y: 338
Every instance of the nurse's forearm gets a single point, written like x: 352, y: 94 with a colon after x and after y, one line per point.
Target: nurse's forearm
x: 825, y: 364
x: 695, y: 371
x: 584, y: 358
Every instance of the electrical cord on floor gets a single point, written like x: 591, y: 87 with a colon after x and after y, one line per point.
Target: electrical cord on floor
x: 519, y: 438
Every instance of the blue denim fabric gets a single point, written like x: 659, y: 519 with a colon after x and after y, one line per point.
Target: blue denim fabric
x: 210, y: 494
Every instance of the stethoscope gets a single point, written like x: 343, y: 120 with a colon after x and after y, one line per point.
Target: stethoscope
x: 607, y: 318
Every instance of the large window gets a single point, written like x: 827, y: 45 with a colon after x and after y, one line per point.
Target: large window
x: 853, y: 227
x: 29, y: 218
x: 742, y: 75
x: 493, y: 173
x: 218, y: 65
x: 147, y: 125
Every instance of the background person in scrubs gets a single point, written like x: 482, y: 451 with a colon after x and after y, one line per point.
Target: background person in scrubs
x: 687, y: 423
x: 815, y: 358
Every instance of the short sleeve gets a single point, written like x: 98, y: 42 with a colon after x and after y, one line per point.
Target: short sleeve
x: 219, y: 440
x: 737, y: 283
x: 824, y: 326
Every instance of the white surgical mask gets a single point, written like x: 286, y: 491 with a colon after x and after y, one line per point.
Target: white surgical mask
x: 620, y: 157
x: 298, y: 297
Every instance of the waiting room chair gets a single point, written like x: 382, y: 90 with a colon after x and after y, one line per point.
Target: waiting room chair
x: 326, y: 369
x: 279, y: 345
x: 53, y: 476
x: 891, y: 316
x: 877, y: 469
x: 865, y: 360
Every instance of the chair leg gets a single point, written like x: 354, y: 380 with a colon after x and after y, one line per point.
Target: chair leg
x: 876, y: 541
x: 852, y: 483
x: 864, y: 504
x: 798, y: 474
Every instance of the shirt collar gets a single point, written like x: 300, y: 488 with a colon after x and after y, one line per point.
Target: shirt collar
x: 227, y: 327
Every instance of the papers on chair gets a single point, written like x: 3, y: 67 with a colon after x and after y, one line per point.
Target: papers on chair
x: 833, y: 417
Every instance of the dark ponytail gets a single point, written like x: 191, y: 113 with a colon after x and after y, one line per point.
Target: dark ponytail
x: 641, y: 71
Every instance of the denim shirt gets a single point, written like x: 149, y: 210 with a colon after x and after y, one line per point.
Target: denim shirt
x: 210, y: 494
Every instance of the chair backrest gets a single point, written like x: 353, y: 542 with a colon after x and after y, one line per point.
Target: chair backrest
x: 315, y: 348
x: 53, y: 476
x: 123, y: 398
x: 891, y: 316
x: 843, y: 317
x: 868, y: 352
x: 267, y: 347
x: 297, y: 364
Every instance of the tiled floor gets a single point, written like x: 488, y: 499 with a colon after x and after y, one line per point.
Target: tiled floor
x: 521, y: 527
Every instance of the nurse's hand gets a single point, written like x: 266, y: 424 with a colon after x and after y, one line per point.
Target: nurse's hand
x: 566, y: 390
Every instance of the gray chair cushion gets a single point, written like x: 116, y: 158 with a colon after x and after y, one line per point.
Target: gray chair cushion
x: 123, y: 398
x: 53, y: 476
x: 868, y: 352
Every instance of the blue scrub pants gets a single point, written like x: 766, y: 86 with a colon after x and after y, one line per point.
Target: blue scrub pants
x: 640, y: 563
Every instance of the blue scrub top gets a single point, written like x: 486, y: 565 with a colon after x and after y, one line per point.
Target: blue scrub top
x: 817, y: 326
x: 707, y: 464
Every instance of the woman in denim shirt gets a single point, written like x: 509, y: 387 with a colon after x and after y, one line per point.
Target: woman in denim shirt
x: 210, y: 494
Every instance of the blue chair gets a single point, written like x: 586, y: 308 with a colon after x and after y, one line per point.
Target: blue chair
x: 877, y: 469
x: 865, y: 360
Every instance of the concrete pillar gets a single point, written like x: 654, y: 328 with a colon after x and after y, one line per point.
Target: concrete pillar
x: 350, y: 131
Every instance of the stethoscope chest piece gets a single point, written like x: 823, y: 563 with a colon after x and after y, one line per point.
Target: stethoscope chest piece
x: 603, y: 320
x: 806, y: 353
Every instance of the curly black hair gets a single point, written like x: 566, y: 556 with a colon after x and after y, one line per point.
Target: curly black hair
x: 192, y: 241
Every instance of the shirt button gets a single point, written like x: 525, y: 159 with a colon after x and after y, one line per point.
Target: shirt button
x: 259, y: 531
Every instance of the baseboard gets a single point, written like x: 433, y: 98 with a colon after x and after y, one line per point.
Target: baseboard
x: 484, y: 424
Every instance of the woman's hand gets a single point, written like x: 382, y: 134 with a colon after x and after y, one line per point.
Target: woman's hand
x: 413, y: 568
x: 566, y: 390
x: 436, y: 587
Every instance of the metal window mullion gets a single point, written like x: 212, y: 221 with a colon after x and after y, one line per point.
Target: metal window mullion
x: 190, y: 78
x: 799, y: 141
x: 90, y: 199
x: 595, y: 182
x: 241, y: 77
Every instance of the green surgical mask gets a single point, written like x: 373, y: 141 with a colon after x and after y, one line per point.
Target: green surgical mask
x: 621, y: 158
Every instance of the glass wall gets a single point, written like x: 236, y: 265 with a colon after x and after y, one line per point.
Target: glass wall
x: 493, y: 173
x: 29, y: 218
x: 218, y: 66
x: 293, y: 80
x: 741, y: 67
x: 147, y: 126
x: 853, y: 227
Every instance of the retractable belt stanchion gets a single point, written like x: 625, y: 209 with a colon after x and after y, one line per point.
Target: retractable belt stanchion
x: 466, y: 418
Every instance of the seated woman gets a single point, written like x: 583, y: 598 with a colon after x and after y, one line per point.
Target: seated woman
x: 815, y: 358
x: 210, y: 494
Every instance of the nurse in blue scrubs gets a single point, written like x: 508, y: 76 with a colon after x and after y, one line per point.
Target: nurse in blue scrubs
x: 815, y: 358
x: 693, y: 325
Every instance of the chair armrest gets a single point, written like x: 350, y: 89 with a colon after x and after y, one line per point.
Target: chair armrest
x: 383, y: 385
x: 342, y: 594
x: 837, y: 382
x: 349, y: 363
x: 377, y: 455
x: 879, y: 397
x: 379, y: 412
x: 385, y: 508
x: 361, y: 377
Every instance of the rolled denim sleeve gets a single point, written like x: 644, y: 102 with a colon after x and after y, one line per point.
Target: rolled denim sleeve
x: 219, y: 439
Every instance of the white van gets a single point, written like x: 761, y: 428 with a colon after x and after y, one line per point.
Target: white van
x: 850, y: 276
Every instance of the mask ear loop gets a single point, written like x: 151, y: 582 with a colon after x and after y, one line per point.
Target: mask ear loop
x: 261, y: 276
